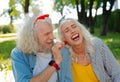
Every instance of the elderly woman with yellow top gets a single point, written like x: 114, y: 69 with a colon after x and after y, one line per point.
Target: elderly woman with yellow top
x: 91, y: 59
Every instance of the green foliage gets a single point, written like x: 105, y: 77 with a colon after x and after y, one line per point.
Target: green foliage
x: 97, y: 4
x: 7, y: 29
x: 6, y: 66
x: 12, y: 9
x: 0, y: 30
x: 5, y: 49
x: 113, y: 22
x: 11, y: 3
x: 60, y: 4
x: 98, y: 21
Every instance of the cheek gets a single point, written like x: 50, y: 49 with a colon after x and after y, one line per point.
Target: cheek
x: 41, y: 38
x: 67, y: 36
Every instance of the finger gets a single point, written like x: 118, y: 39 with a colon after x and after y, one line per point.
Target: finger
x: 60, y: 44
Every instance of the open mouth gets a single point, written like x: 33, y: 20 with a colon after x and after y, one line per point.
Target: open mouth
x: 75, y: 37
x: 49, y: 42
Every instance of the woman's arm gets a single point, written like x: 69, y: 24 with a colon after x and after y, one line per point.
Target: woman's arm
x: 111, y: 65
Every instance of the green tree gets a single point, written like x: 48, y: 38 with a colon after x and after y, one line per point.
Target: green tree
x: 105, y: 15
x: 93, y: 4
x: 113, y: 21
x: 12, y: 11
x: 25, y: 5
x: 60, y: 4
x: 84, y: 7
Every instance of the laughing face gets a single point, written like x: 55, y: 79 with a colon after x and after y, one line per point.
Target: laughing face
x: 71, y: 33
x: 45, y: 36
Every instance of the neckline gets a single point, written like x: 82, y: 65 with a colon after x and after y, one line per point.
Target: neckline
x: 81, y: 65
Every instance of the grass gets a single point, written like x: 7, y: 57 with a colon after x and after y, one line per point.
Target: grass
x: 113, y: 42
x: 6, y: 45
x: 5, y: 49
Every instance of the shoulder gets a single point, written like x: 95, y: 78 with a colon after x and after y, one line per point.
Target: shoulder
x: 18, y: 54
x: 15, y: 51
x: 97, y: 42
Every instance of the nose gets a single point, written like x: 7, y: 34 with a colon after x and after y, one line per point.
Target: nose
x: 72, y: 30
x: 51, y: 36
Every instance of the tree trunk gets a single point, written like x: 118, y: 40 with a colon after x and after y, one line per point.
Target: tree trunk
x: 104, y: 25
x: 105, y: 16
x: 78, y: 12
x: 91, y: 21
x: 83, y: 16
x: 11, y: 19
x: 26, y: 8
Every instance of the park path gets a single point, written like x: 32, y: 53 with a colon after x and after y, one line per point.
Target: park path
x: 7, y: 37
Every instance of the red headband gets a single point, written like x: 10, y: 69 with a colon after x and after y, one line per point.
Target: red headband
x: 41, y: 17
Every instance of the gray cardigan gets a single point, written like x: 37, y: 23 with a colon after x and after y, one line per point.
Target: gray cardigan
x: 104, y: 63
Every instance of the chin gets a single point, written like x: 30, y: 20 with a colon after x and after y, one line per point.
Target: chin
x: 77, y: 43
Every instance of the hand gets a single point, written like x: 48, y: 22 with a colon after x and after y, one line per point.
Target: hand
x: 56, y: 50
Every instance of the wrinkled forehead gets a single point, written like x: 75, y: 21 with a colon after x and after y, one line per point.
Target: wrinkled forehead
x: 66, y: 23
x: 43, y: 27
x: 41, y: 23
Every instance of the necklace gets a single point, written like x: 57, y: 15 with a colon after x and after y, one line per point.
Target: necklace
x: 81, y: 59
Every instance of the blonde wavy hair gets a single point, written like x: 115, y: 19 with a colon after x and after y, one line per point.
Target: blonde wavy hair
x: 86, y: 35
x: 26, y: 36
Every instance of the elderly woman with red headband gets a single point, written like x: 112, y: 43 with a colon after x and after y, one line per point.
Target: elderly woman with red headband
x: 36, y: 58
x: 91, y: 59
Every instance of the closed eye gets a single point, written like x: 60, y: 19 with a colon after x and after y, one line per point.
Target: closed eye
x: 66, y: 30
x: 73, y: 26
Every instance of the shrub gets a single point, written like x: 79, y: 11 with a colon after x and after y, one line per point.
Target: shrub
x: 7, y: 29
x: 0, y: 29
x: 113, y: 22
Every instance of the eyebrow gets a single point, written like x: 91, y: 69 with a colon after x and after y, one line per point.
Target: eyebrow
x: 73, y: 25
x: 67, y: 27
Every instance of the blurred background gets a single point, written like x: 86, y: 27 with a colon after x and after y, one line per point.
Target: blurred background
x: 101, y: 17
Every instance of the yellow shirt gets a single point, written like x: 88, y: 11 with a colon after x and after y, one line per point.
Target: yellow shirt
x: 83, y: 73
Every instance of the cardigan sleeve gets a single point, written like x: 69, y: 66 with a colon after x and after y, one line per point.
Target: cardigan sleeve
x: 20, y: 66
x: 111, y: 65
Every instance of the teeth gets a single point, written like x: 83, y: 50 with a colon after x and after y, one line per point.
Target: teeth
x: 49, y: 42
x: 74, y: 36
